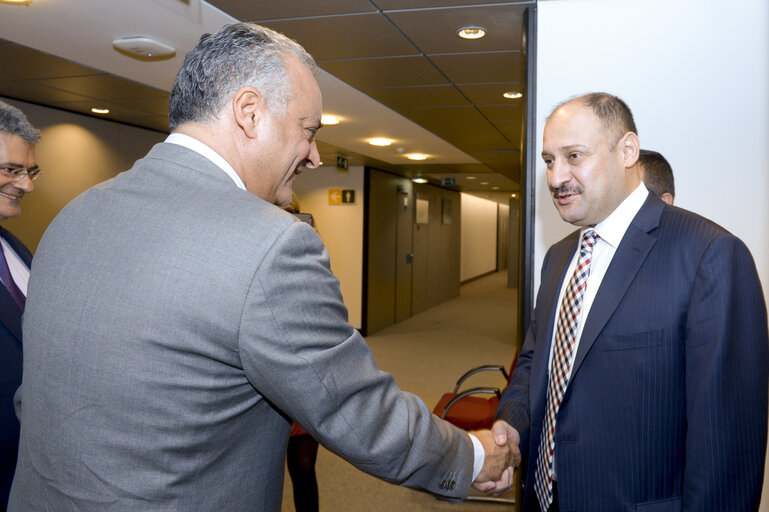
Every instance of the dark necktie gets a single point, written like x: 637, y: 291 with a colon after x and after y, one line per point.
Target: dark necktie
x: 560, y: 368
x: 9, y: 283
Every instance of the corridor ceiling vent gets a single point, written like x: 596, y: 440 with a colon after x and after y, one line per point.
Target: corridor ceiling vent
x: 471, y: 32
x: 417, y: 156
x: 419, y: 180
x: 380, y: 141
x: 329, y: 120
x: 512, y: 95
x: 143, y: 48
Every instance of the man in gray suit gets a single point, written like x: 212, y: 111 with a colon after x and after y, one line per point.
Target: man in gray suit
x: 177, y: 318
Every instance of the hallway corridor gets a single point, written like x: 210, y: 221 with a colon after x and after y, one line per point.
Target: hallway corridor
x: 426, y: 354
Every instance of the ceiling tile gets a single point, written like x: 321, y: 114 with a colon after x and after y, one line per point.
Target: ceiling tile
x: 473, y: 68
x: 502, y: 112
x: 414, y: 4
x: 435, y: 30
x: 433, y: 115
x: 346, y: 37
x: 473, y: 136
x: 491, y: 93
x: 513, y: 130
x: 386, y: 72
x: 259, y: 11
x: 424, y: 95
x: 23, y: 62
x: 33, y: 92
x: 157, y: 106
x: 105, y: 87
x: 506, y: 162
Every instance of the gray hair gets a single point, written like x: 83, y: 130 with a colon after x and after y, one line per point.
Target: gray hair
x: 239, y: 55
x: 14, y: 122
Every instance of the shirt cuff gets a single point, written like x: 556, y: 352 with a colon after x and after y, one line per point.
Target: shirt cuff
x: 479, y: 456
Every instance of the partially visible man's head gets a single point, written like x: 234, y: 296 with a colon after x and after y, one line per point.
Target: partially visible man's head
x: 657, y: 175
x: 590, y: 146
x: 239, y: 55
x: 17, y: 156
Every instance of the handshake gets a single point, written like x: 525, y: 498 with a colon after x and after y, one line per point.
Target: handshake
x: 502, y: 457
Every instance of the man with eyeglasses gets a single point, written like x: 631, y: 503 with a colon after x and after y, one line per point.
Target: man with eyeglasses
x: 17, y: 170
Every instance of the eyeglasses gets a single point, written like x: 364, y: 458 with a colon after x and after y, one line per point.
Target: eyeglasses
x: 17, y: 173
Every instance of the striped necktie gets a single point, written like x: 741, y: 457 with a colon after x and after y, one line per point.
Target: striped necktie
x: 560, y: 367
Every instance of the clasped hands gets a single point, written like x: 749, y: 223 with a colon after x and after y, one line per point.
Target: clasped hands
x: 502, y: 457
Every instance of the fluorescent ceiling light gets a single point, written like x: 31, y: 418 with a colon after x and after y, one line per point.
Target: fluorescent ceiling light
x: 471, y: 32
x: 380, y: 141
x: 16, y: 2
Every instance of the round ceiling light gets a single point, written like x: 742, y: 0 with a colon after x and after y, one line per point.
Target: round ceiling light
x: 512, y: 95
x: 471, y: 32
x: 419, y: 180
x: 96, y: 110
x: 417, y: 156
x: 329, y: 120
x: 380, y: 141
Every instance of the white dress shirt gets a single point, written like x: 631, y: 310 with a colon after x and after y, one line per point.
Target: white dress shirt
x: 19, y: 271
x: 610, y: 233
x: 202, y: 149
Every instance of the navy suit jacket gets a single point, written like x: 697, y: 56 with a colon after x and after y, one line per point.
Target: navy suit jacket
x: 10, y: 374
x: 667, y: 404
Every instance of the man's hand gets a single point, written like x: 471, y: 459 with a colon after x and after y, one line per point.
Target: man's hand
x: 502, y: 456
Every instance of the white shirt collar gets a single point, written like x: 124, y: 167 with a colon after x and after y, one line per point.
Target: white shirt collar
x: 202, y: 149
x: 613, y: 227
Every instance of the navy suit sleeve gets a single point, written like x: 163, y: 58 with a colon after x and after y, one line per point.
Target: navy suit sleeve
x: 726, y: 382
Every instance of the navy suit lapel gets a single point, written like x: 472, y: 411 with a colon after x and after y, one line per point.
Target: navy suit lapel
x: 628, y: 258
x: 551, y: 286
x: 10, y: 314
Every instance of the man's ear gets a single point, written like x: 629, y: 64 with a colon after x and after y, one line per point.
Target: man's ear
x: 629, y: 148
x: 247, y: 108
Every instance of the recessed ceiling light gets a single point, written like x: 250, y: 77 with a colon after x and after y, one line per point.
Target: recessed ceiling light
x: 329, y: 120
x: 484, y: 183
x: 512, y: 95
x: 380, y: 141
x: 100, y: 110
x: 513, y: 196
x: 494, y: 188
x: 471, y: 32
x: 419, y: 180
x: 469, y: 177
x: 416, y: 156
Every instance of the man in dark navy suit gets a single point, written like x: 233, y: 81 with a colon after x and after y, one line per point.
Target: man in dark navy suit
x: 17, y: 170
x: 642, y: 381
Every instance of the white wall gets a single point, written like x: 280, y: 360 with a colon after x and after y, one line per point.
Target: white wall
x: 478, y: 253
x: 696, y: 75
x: 340, y: 226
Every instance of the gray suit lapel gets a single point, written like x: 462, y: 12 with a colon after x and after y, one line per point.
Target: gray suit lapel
x: 630, y: 255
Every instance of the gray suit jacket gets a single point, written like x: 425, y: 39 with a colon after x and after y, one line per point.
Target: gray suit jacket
x: 174, y: 323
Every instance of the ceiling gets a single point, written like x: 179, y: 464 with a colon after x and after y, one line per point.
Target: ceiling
x: 392, y: 68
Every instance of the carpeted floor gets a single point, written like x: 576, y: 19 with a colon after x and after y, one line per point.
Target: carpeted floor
x: 426, y: 354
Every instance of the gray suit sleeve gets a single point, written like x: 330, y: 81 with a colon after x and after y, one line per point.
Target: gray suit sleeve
x: 299, y: 351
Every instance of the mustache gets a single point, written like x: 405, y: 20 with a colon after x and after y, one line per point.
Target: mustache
x: 567, y: 189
